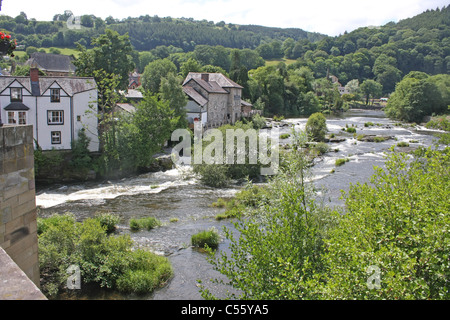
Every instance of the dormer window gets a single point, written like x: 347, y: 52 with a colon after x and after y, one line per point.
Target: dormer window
x: 16, y: 94
x: 55, y: 95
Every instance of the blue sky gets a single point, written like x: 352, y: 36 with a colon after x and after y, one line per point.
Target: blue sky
x: 331, y: 17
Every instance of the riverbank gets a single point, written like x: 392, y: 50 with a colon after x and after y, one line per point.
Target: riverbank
x: 177, y: 194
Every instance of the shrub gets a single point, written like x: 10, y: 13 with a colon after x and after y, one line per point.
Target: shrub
x: 209, y: 238
x: 109, y: 221
x: 148, y: 223
x: 368, y: 124
x: 322, y: 148
x: 351, y: 130
x: 403, y: 144
x: 316, y: 127
x: 105, y: 260
x: 285, y: 136
x: 147, y: 272
x: 340, y: 162
x: 379, y: 139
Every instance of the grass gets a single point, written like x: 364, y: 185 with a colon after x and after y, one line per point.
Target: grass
x: 351, y: 130
x: 207, y: 238
x: 285, y: 136
x: 403, y: 144
x: 379, y: 139
x: 341, y: 162
x: 148, y: 223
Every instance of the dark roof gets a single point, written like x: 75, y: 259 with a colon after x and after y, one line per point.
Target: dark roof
x: 218, y: 78
x: 210, y: 86
x: 71, y: 85
x: 52, y: 62
x: 16, y: 106
x: 194, y: 95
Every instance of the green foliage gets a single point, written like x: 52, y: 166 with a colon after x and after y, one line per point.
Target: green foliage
x: 285, y: 136
x: 108, y: 221
x: 403, y: 144
x: 392, y: 224
x: 147, y: 272
x: 81, y: 158
x: 441, y: 123
x: 316, y: 127
x: 415, y: 98
x: 111, y: 53
x: 295, y: 249
x: 148, y: 224
x: 341, y: 162
x: 351, y: 130
x: 103, y: 260
x: 219, y: 174
x: 321, y: 148
x: 379, y: 139
x: 207, y: 238
x: 154, y: 72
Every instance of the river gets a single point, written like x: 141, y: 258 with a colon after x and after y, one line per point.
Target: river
x: 177, y: 195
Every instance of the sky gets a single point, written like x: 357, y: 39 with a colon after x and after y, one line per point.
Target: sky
x: 330, y: 17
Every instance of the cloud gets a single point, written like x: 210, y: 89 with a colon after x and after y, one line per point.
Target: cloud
x: 325, y: 16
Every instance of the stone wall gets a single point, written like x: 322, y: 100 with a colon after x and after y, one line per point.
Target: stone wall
x: 18, y: 226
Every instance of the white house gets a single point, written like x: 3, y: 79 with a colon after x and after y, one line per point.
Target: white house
x: 57, y: 107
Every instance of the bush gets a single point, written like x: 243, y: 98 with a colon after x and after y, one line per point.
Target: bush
x: 403, y: 144
x: 109, y: 221
x: 148, y: 271
x: 148, y: 223
x: 322, y: 148
x: 208, y: 238
x: 285, y: 136
x: 103, y: 259
x: 341, y: 162
x: 316, y: 127
x: 351, y: 130
x: 368, y: 124
x: 379, y: 139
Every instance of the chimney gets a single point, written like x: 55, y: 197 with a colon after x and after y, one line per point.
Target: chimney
x: 34, y: 74
x: 205, y: 77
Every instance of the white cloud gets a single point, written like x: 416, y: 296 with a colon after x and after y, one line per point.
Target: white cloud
x: 324, y: 16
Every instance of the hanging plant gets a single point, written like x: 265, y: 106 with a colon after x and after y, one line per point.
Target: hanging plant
x: 7, y: 45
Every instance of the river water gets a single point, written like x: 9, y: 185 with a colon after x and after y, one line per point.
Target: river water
x: 183, y: 205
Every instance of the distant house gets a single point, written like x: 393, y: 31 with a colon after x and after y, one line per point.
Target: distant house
x: 57, y: 107
x: 54, y: 65
x: 134, y: 80
x: 213, y: 99
x: 341, y: 88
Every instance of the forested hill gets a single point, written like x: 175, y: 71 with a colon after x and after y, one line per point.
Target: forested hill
x: 148, y: 32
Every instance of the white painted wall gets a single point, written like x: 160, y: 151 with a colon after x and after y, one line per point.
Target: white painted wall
x: 85, y: 107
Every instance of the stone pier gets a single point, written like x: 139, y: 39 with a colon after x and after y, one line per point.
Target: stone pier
x: 18, y: 225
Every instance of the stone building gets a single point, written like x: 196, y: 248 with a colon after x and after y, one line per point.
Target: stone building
x: 213, y: 99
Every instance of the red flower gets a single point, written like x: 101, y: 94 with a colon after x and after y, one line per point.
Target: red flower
x: 8, y: 37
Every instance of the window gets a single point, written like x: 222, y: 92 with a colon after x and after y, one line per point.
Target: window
x: 55, y: 117
x: 17, y: 117
x: 56, y: 137
x: 16, y: 94
x: 55, y: 95
x: 11, y: 117
x: 22, y: 117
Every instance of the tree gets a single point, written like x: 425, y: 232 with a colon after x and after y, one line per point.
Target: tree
x: 154, y: 72
x: 415, y: 98
x: 371, y: 88
x: 190, y: 65
x: 172, y: 92
x: 111, y: 53
x: 316, y: 127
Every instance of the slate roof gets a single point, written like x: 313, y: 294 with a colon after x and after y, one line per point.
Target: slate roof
x: 214, y: 79
x: 17, y: 106
x: 52, y: 62
x: 71, y: 85
x: 194, y: 95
